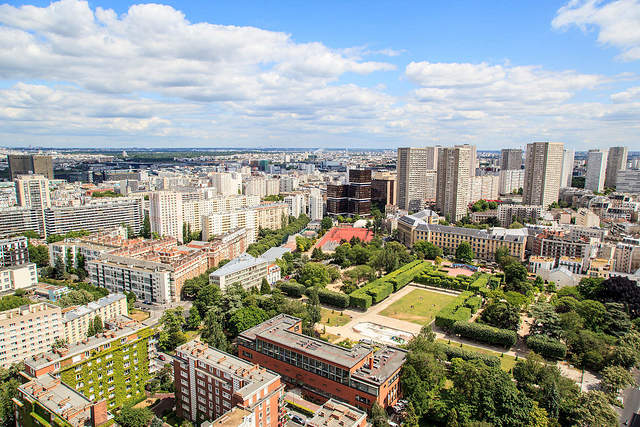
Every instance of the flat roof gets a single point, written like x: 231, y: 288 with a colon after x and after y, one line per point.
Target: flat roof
x: 334, y: 413
x: 232, y: 418
x: 92, y: 306
x: 242, y: 262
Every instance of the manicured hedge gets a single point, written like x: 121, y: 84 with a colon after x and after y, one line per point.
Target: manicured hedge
x: 459, y: 352
x: 547, y: 347
x: 454, y: 311
x: 293, y: 289
x: 485, y: 333
x: 360, y: 300
x: 337, y: 299
x: 474, y: 303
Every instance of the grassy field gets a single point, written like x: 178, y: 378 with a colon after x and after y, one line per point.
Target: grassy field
x: 139, y: 315
x: 506, y: 361
x: 418, y: 306
x: 334, y: 317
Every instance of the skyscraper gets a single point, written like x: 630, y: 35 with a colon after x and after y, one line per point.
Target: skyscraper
x: 413, y: 184
x: 543, y: 165
x: 596, y: 167
x: 472, y: 158
x: 453, y: 182
x: 32, y: 191
x: 165, y: 214
x: 566, y: 175
x: 25, y: 164
x: 616, y: 161
x: 510, y: 159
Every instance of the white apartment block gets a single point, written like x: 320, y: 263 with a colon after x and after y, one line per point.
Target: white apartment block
x: 272, y: 186
x: 484, y: 187
x: 454, y: 180
x: 27, y: 331
x: 246, y: 270
x: 596, y: 169
x: 628, y: 181
x: 507, y: 213
x: 226, y: 183
x: 32, y: 191
x: 271, y: 215
x: 224, y: 222
x: 626, y: 258
x: 566, y: 175
x: 288, y: 183
x: 538, y: 263
x: 297, y: 204
x: 316, y: 205
x: 543, y: 164
x: 586, y: 218
x: 18, y: 277
x: 193, y: 212
x: 75, y: 323
x: 255, y: 186
x: 165, y: 214
x: 510, y: 181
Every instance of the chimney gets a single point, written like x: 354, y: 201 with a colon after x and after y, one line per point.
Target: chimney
x: 371, y: 363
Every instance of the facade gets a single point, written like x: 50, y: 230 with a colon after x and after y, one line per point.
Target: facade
x: 271, y: 215
x: 296, y: 203
x: 484, y: 187
x: 521, y: 213
x: 353, y: 198
x: 510, y: 181
x: 412, y: 166
x: 586, y: 218
x: 566, y: 175
x: 221, y: 223
x: 16, y: 220
x: 245, y: 269
x: 75, y: 322
x: 574, y: 265
x: 628, y: 181
x: 194, y: 210
x: 384, y: 188
x: 358, y: 376
x: 316, y: 205
x: 225, y: 247
x: 47, y: 401
x: 28, y: 330
x: 18, y: 277
x: 616, y: 161
x: 226, y: 183
x: 26, y: 164
x: 334, y: 413
x: 538, y: 263
x: 626, y: 258
x: 454, y: 181
x: 510, y: 159
x: 113, y: 365
x: 210, y: 383
x: 14, y: 251
x: 596, y: 168
x: 32, y: 191
x: 557, y: 244
x: 165, y: 214
x: 542, y: 164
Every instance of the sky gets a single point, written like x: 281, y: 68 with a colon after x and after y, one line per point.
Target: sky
x: 333, y: 74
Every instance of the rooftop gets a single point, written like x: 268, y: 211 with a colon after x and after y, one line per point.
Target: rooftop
x: 92, y: 306
x: 339, y: 233
x: 334, y: 413
x: 232, y: 418
x: 272, y: 254
x: 239, y: 263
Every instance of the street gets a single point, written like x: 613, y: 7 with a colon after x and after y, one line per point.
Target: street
x: 631, y: 400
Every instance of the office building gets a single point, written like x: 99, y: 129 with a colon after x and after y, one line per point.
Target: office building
x: 18, y: 277
x: 616, y: 161
x: 165, y: 214
x: 210, y: 383
x: 359, y: 376
x: 352, y: 198
x: 112, y: 366
x: 47, y: 401
x: 30, y: 164
x: 543, y: 162
x: 510, y: 159
x: 384, y: 188
x: 596, y: 168
x: 454, y: 181
x: 75, y: 322
x: 413, y: 165
x: 28, y: 330
x: 568, y: 157
x: 508, y: 213
x: 628, y: 181
x: 510, y: 181
x: 245, y: 270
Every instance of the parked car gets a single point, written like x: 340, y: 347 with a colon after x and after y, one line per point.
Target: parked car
x: 298, y: 419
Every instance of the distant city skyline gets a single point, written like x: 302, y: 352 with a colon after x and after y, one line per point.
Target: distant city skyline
x: 384, y: 75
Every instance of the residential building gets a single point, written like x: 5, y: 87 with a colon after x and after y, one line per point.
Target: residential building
x: 483, y: 242
x: 454, y: 181
x: 586, y: 218
x: 225, y: 247
x: 510, y: 181
x: 113, y: 365
x: 32, y: 191
x: 628, y: 181
x: 596, y: 168
x: 568, y: 157
x: 75, y: 322
x: 245, y: 269
x: 224, y: 222
x: 28, y: 330
x: 538, y: 263
x: 574, y: 265
x: 511, y: 159
x: 226, y: 183
x: 165, y: 214
x: 542, y: 164
x: 413, y: 186
x: 316, y: 205
x: 626, y: 258
x: 334, y: 413
x: 47, y: 401
x: 296, y: 203
x: 27, y: 164
x: 558, y: 244
x: 14, y: 251
x: 16, y: 220
x: 484, y: 187
x: 384, y: 188
x: 18, y: 277
x: 508, y: 213
x: 359, y: 376
x: 271, y: 215
x: 210, y: 383
x: 616, y: 161
x: 51, y: 292
x: 194, y: 211
x: 288, y: 183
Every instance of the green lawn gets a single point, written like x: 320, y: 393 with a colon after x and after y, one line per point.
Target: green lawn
x: 418, y: 306
x: 506, y: 361
x: 334, y: 317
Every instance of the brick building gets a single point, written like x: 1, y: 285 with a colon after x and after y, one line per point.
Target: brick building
x: 358, y: 376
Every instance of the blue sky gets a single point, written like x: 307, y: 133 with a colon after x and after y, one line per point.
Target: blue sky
x: 319, y: 74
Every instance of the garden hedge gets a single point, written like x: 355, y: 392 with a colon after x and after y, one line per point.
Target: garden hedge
x: 360, y: 300
x: 474, y: 303
x: 336, y: 299
x: 452, y: 351
x: 454, y: 311
x: 485, y: 333
x: 547, y: 347
x: 293, y: 289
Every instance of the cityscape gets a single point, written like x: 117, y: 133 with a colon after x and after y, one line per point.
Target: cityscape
x: 230, y: 222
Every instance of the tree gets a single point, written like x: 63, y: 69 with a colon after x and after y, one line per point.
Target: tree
x: 98, y: 327
x: 426, y: 250
x: 501, y: 315
x: 265, y: 289
x: 317, y: 254
x: 212, y: 332
x: 622, y: 290
x: 39, y: 255
x: 8, y: 390
x: 313, y: 307
x: 134, y: 417
x: 501, y: 253
x: 131, y: 300
x: 313, y: 274
x: 59, y: 272
x: 146, y: 227
x: 171, y: 335
x: 410, y: 418
x: 378, y: 416
x: 245, y: 318
x: 194, y: 318
x: 593, y: 409
x: 464, y: 252
x: 514, y: 274
x: 614, y: 379
x: 81, y: 271
x: 326, y: 223
x: 69, y: 260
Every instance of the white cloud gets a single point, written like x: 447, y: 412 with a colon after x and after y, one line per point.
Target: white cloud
x: 618, y: 22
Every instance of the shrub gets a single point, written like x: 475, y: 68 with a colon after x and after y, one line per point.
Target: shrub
x: 337, y: 299
x: 454, y: 311
x: 293, y: 289
x: 453, y: 352
x: 473, y: 303
x: 547, y: 347
x: 359, y: 299
x: 485, y: 333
